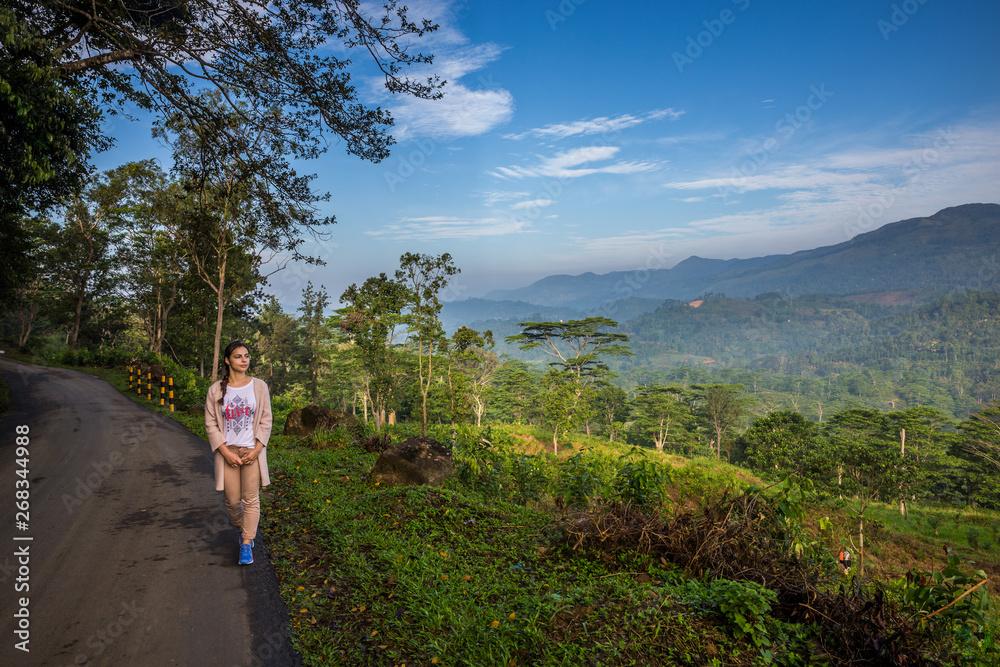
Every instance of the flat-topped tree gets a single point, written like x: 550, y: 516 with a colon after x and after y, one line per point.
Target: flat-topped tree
x: 577, y: 345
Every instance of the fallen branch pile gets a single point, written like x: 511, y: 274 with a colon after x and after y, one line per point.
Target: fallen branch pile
x: 744, y: 538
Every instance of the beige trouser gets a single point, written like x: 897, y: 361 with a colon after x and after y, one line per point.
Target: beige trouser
x: 242, y: 489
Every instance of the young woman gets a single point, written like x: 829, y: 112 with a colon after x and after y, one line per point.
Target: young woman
x: 238, y: 422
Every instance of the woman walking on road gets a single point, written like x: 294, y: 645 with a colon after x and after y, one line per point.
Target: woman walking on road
x: 238, y: 422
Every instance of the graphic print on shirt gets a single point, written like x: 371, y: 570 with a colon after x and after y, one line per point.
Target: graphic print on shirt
x: 238, y: 414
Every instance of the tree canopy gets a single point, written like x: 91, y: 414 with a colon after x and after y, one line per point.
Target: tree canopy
x: 271, y: 54
x: 584, y: 339
x: 282, y: 66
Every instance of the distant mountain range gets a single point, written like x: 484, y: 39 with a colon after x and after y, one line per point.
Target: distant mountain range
x: 954, y: 248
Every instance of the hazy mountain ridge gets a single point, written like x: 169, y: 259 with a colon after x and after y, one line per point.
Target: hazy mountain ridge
x: 955, y: 247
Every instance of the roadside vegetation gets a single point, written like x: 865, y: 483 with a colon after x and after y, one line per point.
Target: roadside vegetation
x: 603, y: 556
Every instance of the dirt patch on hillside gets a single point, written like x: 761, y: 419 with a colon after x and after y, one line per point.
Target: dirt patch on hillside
x: 899, y: 298
x: 532, y: 445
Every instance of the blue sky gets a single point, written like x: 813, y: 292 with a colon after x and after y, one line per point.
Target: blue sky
x: 584, y: 135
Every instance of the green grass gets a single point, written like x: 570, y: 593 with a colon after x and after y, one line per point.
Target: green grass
x: 953, y: 524
x: 418, y: 575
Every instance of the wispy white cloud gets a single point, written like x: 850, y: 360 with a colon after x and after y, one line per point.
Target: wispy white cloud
x: 807, y: 203
x: 467, y: 108
x: 604, y: 124
x: 949, y: 165
x: 568, y: 164
x: 533, y: 203
x: 491, y: 198
x: 787, y: 178
x: 461, y: 113
x: 445, y: 227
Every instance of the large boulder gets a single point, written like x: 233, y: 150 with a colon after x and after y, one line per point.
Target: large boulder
x: 418, y: 460
x: 312, y: 417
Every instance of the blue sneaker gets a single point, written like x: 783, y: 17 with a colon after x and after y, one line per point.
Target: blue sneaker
x: 246, y: 555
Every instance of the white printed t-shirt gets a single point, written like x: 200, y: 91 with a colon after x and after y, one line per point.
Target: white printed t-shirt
x: 238, y: 409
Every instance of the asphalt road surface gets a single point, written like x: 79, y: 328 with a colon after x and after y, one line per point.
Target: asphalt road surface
x: 124, y: 555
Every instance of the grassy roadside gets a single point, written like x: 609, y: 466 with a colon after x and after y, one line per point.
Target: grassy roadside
x: 422, y: 576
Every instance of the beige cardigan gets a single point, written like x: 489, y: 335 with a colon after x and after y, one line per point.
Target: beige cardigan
x: 215, y: 426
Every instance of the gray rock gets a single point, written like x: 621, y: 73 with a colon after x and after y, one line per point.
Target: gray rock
x: 312, y: 417
x: 415, y: 461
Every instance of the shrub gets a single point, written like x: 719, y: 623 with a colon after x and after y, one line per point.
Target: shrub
x: 972, y: 536
x: 528, y: 478
x: 744, y: 605
x: 331, y: 438
x: 579, y: 479
x: 640, y: 481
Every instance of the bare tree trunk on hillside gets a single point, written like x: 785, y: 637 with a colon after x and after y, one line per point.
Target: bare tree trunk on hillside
x: 902, y: 453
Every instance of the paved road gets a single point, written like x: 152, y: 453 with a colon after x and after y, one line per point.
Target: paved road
x: 131, y: 559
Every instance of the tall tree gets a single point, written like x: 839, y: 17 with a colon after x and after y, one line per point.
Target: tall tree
x: 424, y: 277
x: 152, y: 262
x: 863, y: 446
x: 36, y: 290
x: 277, y: 345
x: 47, y: 132
x: 723, y: 406
x: 922, y: 446
x: 314, y: 336
x: 470, y: 356
x: 63, y: 61
x: 658, y: 410
x: 780, y: 440
x: 370, y: 318
x: 515, y: 391
x: 982, y: 431
x: 560, y: 404
x: 248, y: 203
x: 611, y: 406
x: 577, y: 344
x: 82, y: 257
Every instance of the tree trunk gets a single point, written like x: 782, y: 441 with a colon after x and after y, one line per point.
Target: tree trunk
x: 555, y: 440
x: 77, y: 315
x: 221, y: 303
x: 26, y: 322
x: 902, y: 453
x: 861, y: 541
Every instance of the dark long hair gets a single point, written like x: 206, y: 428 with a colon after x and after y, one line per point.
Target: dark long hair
x: 225, y: 367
